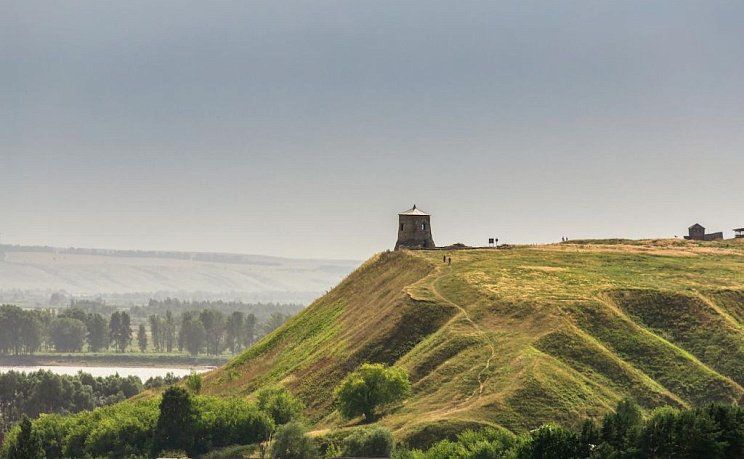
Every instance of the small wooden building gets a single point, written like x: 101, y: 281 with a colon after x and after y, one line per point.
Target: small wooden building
x: 739, y: 233
x: 697, y: 233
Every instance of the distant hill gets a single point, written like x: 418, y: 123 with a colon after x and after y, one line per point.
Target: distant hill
x: 29, y: 274
x: 518, y: 337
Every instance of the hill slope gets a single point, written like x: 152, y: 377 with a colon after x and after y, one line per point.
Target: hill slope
x: 30, y: 274
x: 518, y: 337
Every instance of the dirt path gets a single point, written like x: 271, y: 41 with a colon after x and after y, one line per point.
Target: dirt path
x: 431, y: 283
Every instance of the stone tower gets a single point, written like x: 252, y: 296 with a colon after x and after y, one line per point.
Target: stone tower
x: 414, y: 230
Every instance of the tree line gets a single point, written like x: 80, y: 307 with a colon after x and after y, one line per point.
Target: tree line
x: 30, y: 394
x: 181, y: 423
x: 73, y: 330
x: 176, y: 424
x: 714, y: 431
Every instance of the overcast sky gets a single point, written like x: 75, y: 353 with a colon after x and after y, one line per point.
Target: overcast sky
x: 302, y: 128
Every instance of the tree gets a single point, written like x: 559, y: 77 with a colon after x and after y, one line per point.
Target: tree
x: 97, y: 337
x: 280, y: 404
x: 730, y: 420
x: 551, y: 441
x: 370, y: 386
x: 156, y: 332
x: 621, y: 428
x: 275, y: 320
x: 234, y: 333
x: 120, y: 330
x: 74, y: 313
x: 192, y: 333
x: 672, y: 433
x: 169, y: 331
x: 27, y: 444
x: 177, y: 421
x: 142, y: 338
x: 214, y: 327
x: 249, y: 330
x: 68, y: 334
x: 291, y: 442
x: 21, y: 330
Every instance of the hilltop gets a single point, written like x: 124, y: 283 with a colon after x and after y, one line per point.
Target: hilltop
x: 517, y: 337
x: 29, y: 274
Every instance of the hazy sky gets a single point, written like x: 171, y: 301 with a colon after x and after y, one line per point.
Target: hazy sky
x: 302, y: 128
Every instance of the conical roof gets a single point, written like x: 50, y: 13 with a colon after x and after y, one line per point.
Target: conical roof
x: 413, y: 211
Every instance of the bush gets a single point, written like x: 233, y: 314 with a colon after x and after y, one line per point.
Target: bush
x: 371, y: 442
x: 470, y: 444
x: 194, y: 382
x: 370, y: 386
x: 292, y: 443
x: 229, y: 421
x: 280, y: 404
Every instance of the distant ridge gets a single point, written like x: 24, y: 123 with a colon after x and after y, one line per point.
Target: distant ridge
x: 29, y: 274
x: 222, y: 257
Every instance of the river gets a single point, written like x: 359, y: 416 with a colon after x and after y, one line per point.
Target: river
x: 144, y: 373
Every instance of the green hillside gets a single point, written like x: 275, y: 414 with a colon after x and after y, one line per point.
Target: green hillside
x: 517, y: 337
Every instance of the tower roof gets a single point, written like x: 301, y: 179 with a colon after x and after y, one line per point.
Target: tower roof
x: 696, y: 225
x: 413, y: 211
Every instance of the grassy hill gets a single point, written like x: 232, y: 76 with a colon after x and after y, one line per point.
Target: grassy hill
x: 517, y: 337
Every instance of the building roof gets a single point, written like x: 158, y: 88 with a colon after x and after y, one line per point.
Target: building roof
x: 413, y: 211
x: 696, y: 225
x: 738, y: 229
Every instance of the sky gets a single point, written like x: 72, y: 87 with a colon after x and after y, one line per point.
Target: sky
x: 301, y: 128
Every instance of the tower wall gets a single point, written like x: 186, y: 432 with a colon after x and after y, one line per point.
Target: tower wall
x: 414, y: 231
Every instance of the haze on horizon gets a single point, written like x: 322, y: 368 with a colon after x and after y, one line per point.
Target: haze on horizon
x: 300, y: 129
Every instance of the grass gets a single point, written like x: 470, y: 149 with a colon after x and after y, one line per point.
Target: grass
x: 516, y: 338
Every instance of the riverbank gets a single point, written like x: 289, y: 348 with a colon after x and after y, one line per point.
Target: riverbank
x: 114, y: 359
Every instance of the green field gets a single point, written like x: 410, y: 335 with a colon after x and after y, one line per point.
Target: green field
x: 517, y: 337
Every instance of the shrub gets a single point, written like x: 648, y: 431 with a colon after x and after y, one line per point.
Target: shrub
x: 194, y: 382
x: 229, y: 421
x: 371, y: 442
x: 280, y: 404
x: 292, y: 443
x: 370, y: 386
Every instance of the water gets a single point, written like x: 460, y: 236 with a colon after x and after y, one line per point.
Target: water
x: 144, y: 373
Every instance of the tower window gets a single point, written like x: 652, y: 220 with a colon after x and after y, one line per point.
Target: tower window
x: 423, y: 226
x: 401, y: 226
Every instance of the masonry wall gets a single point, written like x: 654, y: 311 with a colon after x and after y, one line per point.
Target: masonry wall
x: 414, y: 231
